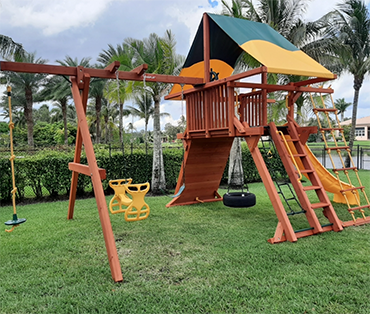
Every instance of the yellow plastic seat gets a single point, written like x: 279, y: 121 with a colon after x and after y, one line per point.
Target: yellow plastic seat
x: 129, y: 199
x: 138, y: 209
x: 120, y: 197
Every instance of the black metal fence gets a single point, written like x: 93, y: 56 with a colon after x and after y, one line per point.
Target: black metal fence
x: 360, y: 156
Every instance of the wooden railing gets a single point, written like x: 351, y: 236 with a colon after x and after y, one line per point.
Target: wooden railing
x: 252, y: 109
x: 211, y: 110
x: 208, y: 111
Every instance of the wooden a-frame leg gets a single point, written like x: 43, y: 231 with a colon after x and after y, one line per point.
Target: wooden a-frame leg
x: 279, y: 234
x: 97, y: 186
x: 78, y: 149
x: 284, y: 222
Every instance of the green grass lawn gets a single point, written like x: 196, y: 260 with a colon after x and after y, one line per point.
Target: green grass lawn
x: 203, y: 258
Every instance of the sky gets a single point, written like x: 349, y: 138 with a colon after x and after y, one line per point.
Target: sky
x: 55, y: 29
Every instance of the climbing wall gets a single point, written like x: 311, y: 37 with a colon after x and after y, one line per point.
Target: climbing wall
x: 204, y: 163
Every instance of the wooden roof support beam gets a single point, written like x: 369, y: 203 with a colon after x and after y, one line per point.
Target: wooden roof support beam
x: 313, y: 81
x: 206, y: 48
x: 289, y: 88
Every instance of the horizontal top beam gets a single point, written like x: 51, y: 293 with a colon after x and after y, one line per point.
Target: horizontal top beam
x: 107, y: 73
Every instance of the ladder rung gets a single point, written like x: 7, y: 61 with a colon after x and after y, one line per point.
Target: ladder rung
x: 352, y: 189
x: 336, y: 147
x: 311, y: 187
x: 331, y: 129
x: 344, y: 169
x: 319, y: 205
x: 290, y: 199
x: 359, y: 207
x: 305, y: 229
x: 305, y: 171
x: 325, y: 109
x: 292, y: 140
x: 296, y: 213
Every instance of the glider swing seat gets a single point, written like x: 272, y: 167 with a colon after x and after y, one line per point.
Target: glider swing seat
x: 129, y: 199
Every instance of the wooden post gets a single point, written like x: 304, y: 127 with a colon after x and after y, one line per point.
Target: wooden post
x: 97, y: 185
x: 263, y: 111
x: 230, y: 109
x: 206, y: 48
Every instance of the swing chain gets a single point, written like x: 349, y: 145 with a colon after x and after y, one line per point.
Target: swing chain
x: 238, y: 152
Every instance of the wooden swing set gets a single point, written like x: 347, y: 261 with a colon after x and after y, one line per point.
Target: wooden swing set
x: 212, y: 126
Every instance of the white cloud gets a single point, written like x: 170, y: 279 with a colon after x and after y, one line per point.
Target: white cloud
x: 190, y: 13
x: 317, y: 8
x: 52, y: 16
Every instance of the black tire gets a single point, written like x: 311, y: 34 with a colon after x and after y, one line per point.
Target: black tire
x: 239, y: 199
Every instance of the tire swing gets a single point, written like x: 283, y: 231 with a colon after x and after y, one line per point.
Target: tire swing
x: 241, y: 199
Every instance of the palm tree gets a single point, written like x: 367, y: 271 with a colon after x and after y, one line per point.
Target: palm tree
x: 235, y: 9
x: 42, y: 114
x: 19, y: 119
x: 351, y: 26
x: 97, y: 87
x: 91, y: 119
x: 159, y: 54
x: 122, y: 91
x: 144, y: 110
x: 10, y: 48
x: 109, y: 113
x: 342, y: 106
x: 26, y: 88
x: 118, y: 92
x: 59, y: 89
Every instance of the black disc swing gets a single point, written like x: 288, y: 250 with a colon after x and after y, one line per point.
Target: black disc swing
x: 241, y: 199
x: 15, y: 222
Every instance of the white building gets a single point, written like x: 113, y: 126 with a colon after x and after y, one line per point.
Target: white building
x: 362, y: 128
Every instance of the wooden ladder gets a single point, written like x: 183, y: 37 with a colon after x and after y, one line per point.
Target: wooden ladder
x: 292, y: 152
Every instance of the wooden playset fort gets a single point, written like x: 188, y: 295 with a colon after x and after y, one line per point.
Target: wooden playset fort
x: 221, y: 106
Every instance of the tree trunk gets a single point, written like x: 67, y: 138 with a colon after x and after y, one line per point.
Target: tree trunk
x: 299, y: 105
x: 158, y: 178
x: 98, y: 112
x: 121, y: 123
x: 146, y: 136
x: 356, y: 86
x: 236, y: 175
x: 64, y: 113
x: 28, y: 116
x: 106, y: 121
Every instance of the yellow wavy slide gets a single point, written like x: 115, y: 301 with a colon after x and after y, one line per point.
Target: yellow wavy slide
x: 329, y: 182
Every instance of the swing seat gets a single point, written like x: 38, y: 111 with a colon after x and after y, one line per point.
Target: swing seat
x: 138, y: 209
x: 239, y: 199
x: 15, y: 221
x: 120, y: 197
x: 129, y: 199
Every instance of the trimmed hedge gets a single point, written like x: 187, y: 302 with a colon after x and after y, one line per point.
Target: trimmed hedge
x: 47, y: 173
